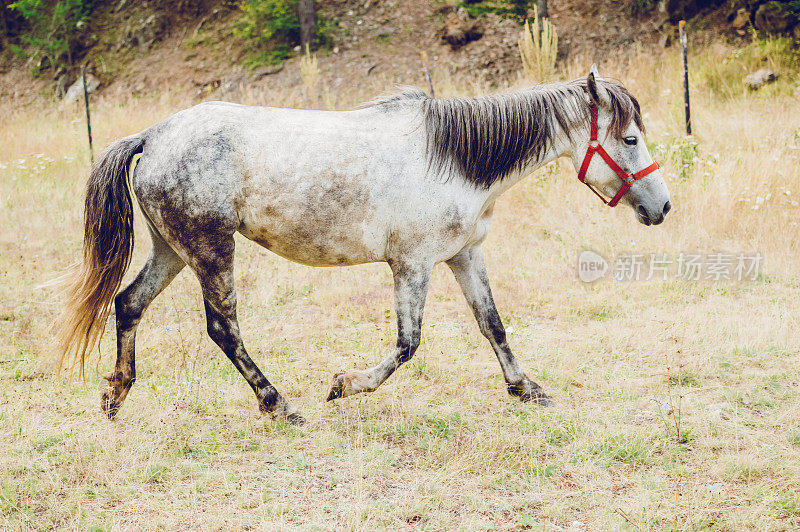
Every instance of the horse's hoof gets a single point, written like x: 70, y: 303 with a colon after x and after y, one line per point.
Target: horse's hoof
x: 542, y: 401
x: 296, y: 419
x: 528, y: 391
x: 109, y: 402
x: 336, y: 390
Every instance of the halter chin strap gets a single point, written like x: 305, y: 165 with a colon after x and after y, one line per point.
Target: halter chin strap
x: 627, y: 179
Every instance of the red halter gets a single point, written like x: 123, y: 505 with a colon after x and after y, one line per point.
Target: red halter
x: 627, y: 179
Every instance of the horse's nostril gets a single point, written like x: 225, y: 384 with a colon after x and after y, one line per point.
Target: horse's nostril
x: 642, y: 212
x: 667, y: 207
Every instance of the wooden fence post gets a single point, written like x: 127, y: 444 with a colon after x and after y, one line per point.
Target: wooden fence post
x: 541, y: 10
x: 88, y: 116
x: 425, y: 70
x: 682, y: 29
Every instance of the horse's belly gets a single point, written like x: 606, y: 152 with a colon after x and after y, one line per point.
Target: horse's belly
x: 300, y: 243
x: 316, y: 234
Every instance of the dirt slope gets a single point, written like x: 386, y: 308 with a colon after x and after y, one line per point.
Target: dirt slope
x: 140, y: 48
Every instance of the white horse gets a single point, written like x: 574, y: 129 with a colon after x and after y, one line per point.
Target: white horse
x: 407, y: 180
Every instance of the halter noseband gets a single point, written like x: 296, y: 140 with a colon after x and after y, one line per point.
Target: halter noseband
x: 627, y: 179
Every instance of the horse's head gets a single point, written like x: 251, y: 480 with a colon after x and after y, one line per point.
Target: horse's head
x: 617, y: 164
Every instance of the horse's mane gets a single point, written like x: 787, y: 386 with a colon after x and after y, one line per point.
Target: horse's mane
x: 488, y: 137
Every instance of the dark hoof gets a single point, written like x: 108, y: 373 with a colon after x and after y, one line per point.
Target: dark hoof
x: 109, y: 402
x: 337, y: 387
x: 542, y: 401
x: 296, y: 419
x: 528, y: 391
x: 283, y: 411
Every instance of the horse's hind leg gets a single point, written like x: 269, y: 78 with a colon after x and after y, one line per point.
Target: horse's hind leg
x: 161, y: 267
x: 410, y: 289
x: 214, y: 268
x: 470, y: 272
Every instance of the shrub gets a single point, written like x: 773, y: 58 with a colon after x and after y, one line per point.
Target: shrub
x: 515, y: 9
x: 538, y: 52
x: 265, y: 20
x: 272, y: 27
x: 51, y: 29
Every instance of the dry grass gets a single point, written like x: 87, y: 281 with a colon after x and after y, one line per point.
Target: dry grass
x: 441, y: 445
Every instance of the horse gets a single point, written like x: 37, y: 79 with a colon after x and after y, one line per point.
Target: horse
x: 407, y: 179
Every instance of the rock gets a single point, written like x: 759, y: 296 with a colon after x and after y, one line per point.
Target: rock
x: 772, y: 18
x: 459, y: 29
x: 75, y: 91
x: 716, y: 487
x: 758, y: 79
x: 668, y: 35
x: 741, y: 20
x: 145, y: 31
x: 207, y: 86
x: 61, y: 86
x: 267, y: 71
x: 43, y: 64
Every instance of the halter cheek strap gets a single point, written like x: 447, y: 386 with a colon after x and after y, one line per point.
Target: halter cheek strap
x: 627, y: 179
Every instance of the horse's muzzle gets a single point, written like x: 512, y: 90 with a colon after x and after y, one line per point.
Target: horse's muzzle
x: 652, y: 219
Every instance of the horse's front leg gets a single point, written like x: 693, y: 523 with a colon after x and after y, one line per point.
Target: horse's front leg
x: 410, y: 288
x: 470, y: 272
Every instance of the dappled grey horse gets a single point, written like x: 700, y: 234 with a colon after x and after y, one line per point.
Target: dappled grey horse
x: 408, y: 180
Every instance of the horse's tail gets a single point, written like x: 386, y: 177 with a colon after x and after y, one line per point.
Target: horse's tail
x: 107, y: 246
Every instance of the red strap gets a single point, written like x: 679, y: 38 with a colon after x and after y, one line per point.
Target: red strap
x: 585, y: 165
x: 612, y: 163
x: 649, y: 170
x: 627, y: 179
x: 618, y: 196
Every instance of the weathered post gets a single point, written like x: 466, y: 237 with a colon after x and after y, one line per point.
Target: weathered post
x: 541, y: 10
x: 425, y: 70
x: 88, y: 116
x: 307, y: 13
x: 682, y: 29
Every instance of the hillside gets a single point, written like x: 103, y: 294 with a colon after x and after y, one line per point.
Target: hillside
x: 190, y: 48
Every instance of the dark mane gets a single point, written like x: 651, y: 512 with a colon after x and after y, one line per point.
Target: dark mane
x: 486, y: 138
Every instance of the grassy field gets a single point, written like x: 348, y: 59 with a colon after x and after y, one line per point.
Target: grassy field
x: 677, y: 402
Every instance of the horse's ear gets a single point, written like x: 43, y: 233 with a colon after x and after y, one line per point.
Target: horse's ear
x: 597, y: 92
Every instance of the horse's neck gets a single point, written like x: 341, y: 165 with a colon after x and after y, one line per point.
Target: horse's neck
x: 561, y: 147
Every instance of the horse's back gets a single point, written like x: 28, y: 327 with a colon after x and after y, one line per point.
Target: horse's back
x: 317, y: 187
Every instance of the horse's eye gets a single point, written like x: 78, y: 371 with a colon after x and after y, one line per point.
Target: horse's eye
x: 630, y: 141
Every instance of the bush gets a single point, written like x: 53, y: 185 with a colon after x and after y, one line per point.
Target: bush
x: 515, y: 9
x: 51, y: 29
x: 265, y: 20
x: 538, y: 52
x: 792, y: 6
x: 272, y: 27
